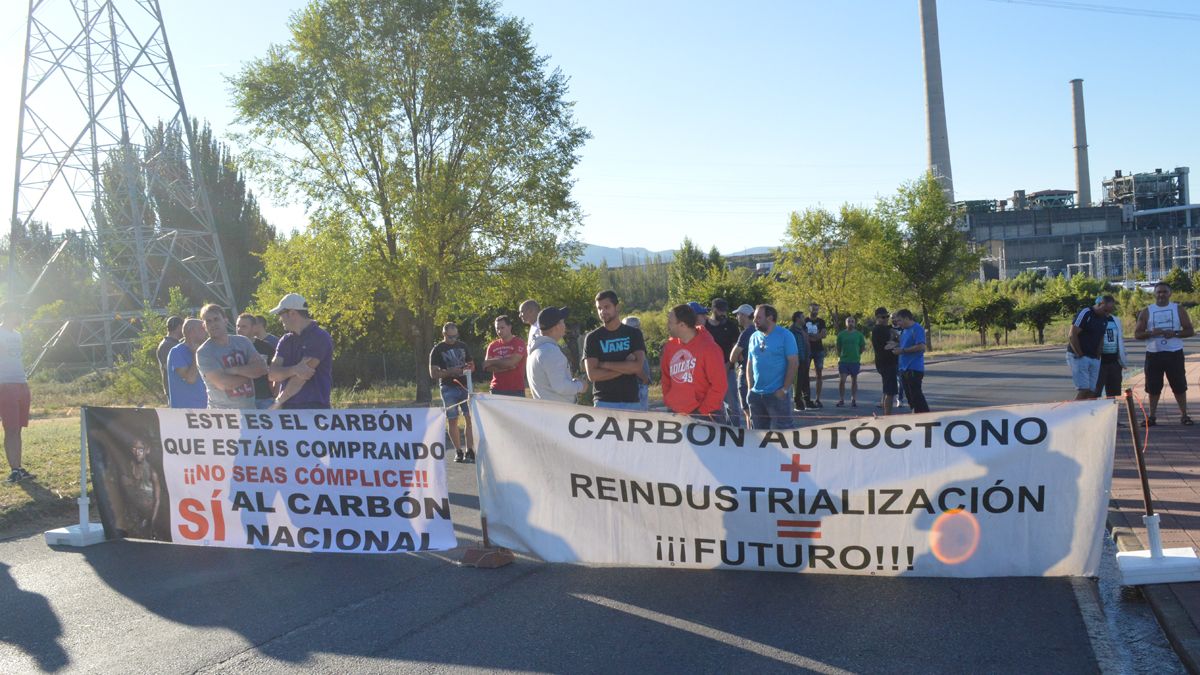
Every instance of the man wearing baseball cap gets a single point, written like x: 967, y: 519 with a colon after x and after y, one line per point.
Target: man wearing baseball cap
x: 546, y: 367
x: 303, y: 363
x: 737, y: 356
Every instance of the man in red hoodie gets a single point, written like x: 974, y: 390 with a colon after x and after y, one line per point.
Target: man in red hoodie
x: 693, y: 368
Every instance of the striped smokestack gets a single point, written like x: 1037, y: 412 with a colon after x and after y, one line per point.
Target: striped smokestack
x: 935, y: 102
x: 1083, y: 181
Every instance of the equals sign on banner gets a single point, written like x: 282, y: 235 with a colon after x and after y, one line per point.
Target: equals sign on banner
x: 799, y: 529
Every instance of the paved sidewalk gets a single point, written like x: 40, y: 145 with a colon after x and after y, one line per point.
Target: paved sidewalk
x: 1173, y: 466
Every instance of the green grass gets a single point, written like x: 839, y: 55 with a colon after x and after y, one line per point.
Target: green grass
x: 51, y: 453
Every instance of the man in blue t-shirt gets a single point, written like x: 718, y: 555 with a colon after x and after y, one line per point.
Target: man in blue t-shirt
x: 185, y: 388
x: 911, y: 351
x: 772, y: 362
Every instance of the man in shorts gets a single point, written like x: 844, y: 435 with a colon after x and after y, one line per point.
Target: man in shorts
x: 816, y: 349
x: 14, y: 389
x: 449, y: 363
x: 1084, y: 345
x: 1163, y: 326
x: 851, y: 343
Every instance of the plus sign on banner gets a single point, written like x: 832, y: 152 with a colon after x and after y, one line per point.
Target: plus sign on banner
x: 1010, y: 491
x: 795, y: 468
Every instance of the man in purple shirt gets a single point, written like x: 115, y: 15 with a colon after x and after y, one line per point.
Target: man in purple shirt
x: 303, y: 363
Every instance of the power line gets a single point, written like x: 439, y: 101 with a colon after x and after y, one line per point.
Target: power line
x: 1104, y: 9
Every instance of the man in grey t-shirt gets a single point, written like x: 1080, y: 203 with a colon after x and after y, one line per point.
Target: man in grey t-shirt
x: 228, y: 363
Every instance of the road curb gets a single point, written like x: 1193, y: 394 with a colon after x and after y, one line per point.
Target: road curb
x: 1174, y: 619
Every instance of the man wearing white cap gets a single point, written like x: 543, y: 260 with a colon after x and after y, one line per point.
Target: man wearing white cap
x: 303, y: 363
x: 737, y: 357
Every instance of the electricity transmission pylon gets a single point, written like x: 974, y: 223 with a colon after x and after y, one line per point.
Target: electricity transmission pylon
x: 98, y: 80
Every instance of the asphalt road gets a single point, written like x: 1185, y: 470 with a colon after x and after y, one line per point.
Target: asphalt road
x: 126, y: 606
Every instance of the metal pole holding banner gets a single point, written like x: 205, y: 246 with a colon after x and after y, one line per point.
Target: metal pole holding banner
x: 486, y: 556
x: 86, y: 532
x: 1155, y: 566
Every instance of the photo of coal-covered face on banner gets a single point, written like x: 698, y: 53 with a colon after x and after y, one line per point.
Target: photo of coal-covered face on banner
x: 348, y: 481
x: 127, y: 473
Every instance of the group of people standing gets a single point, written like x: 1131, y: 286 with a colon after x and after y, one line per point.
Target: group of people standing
x: 734, y: 369
x: 1097, y: 357
x: 203, y: 365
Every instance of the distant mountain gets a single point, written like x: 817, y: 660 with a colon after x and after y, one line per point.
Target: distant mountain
x: 620, y: 257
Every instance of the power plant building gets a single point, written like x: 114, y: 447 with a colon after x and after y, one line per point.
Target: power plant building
x: 1144, y: 223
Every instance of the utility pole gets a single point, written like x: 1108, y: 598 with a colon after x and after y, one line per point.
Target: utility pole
x: 103, y: 127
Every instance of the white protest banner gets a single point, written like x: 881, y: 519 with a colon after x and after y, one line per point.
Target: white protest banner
x: 1006, y: 491
x: 363, y: 481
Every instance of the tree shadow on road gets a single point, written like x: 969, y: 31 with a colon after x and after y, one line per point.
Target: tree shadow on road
x: 257, y: 594
x: 30, y: 624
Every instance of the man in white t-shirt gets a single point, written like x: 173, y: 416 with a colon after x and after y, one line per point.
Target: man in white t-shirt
x: 14, y: 389
x: 529, y: 311
x: 1163, y: 326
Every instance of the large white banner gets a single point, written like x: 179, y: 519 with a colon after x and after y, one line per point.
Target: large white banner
x: 365, y: 481
x: 1006, y: 491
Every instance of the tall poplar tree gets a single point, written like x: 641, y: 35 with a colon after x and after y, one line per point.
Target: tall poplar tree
x: 436, y: 129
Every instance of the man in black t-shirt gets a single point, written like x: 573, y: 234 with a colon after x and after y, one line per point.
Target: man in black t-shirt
x: 1084, y: 344
x: 449, y: 362
x: 614, y: 354
x: 247, y: 327
x: 726, y: 332
x: 883, y: 340
x: 816, y: 350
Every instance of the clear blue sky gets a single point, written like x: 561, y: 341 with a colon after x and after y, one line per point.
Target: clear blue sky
x: 715, y: 120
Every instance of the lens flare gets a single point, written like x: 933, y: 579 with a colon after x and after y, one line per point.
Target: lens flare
x: 954, y: 537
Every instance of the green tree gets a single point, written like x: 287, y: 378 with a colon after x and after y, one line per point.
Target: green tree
x: 137, y: 378
x: 716, y: 261
x: 688, y: 268
x: 922, y: 251
x: 1027, y: 281
x: 68, y: 278
x: 738, y: 287
x: 1179, y: 281
x: 1037, y: 311
x: 435, y: 128
x: 827, y: 258
x: 980, y: 310
x: 330, y: 263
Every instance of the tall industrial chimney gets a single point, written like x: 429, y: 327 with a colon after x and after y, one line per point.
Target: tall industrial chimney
x: 935, y: 102
x: 1083, y: 181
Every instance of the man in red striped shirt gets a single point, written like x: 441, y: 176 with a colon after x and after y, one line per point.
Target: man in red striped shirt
x: 693, y: 368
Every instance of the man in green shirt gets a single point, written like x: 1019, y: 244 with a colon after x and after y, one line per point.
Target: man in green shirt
x: 850, y: 345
